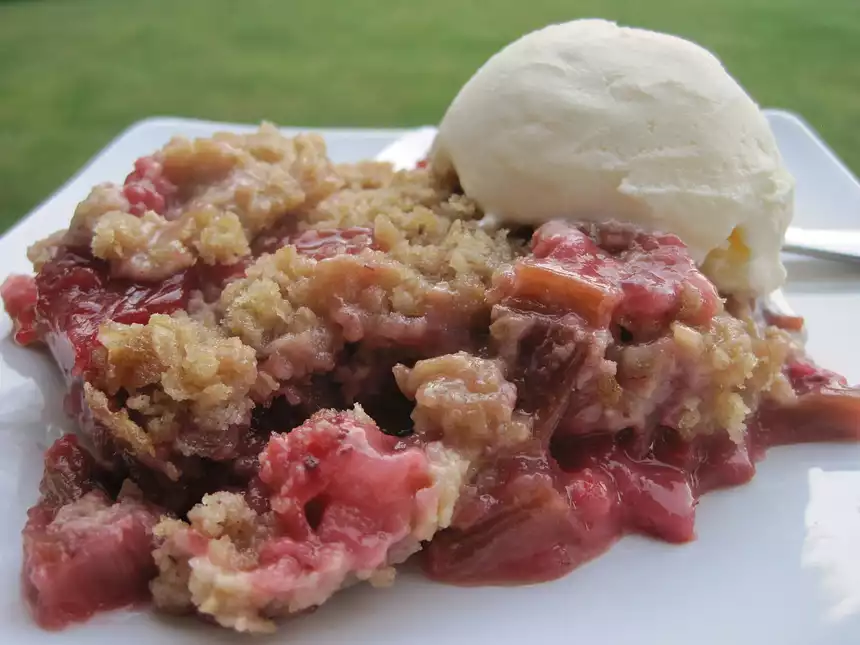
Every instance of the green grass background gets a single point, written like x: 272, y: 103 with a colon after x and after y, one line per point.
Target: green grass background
x: 73, y: 73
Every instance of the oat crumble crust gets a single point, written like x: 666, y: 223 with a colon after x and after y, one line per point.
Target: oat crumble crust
x: 411, y: 297
x: 177, y: 371
x: 467, y: 401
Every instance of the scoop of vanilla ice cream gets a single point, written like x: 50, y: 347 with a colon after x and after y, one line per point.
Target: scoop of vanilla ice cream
x: 589, y: 120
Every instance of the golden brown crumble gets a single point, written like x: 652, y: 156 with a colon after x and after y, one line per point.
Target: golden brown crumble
x: 223, y: 514
x: 739, y: 366
x: 228, y: 188
x: 358, y: 293
x: 308, y: 348
x: 366, y: 196
x: 260, y: 176
x: 141, y: 248
x: 213, y: 581
x: 727, y: 366
x: 466, y: 400
x: 151, y: 247
x: 390, y: 296
x: 169, y: 588
x: 421, y: 225
x: 195, y: 368
x: 449, y: 469
x: 365, y: 175
x: 44, y: 250
x: 103, y: 199
x: 121, y: 426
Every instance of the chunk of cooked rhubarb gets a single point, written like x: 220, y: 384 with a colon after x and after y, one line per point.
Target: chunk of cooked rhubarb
x: 515, y: 522
x: 826, y: 408
x: 83, y: 552
x: 827, y: 415
x: 338, y: 474
x: 783, y: 321
x: 146, y: 188
x: 19, y: 295
x: 524, y: 518
x: 559, y: 288
x: 657, y: 278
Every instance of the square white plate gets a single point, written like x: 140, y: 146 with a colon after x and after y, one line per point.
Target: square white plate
x: 776, y: 561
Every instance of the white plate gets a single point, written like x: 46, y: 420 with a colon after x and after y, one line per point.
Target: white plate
x: 777, y: 561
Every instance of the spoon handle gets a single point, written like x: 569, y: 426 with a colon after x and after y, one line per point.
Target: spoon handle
x: 830, y: 244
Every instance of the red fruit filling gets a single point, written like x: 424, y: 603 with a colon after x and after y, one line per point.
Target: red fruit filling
x: 76, y: 295
x: 535, y: 516
x: 530, y: 518
x: 83, y: 552
x: 640, y: 282
x: 146, y: 188
x: 19, y: 294
x: 340, y: 479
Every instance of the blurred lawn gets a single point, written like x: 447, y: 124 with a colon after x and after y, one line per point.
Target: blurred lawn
x: 73, y: 73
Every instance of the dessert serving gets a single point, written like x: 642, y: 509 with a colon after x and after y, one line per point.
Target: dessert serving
x: 290, y: 376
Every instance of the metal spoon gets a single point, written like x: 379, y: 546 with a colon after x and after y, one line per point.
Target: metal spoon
x: 828, y: 244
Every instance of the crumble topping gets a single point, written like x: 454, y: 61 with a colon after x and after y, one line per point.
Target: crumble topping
x: 449, y: 471
x: 363, y: 295
x: 465, y: 401
x: 203, y: 198
x: 103, y: 199
x: 365, y: 175
x: 728, y: 367
x: 151, y: 247
x: 200, y: 563
x: 122, y: 428
x: 422, y: 225
x: 260, y: 176
x: 44, y: 250
x: 197, y: 371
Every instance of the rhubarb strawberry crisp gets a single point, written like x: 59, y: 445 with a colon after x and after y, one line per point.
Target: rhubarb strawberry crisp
x: 290, y: 376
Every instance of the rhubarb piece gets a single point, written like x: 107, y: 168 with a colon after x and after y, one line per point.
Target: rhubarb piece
x: 83, y: 552
x: 19, y: 295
